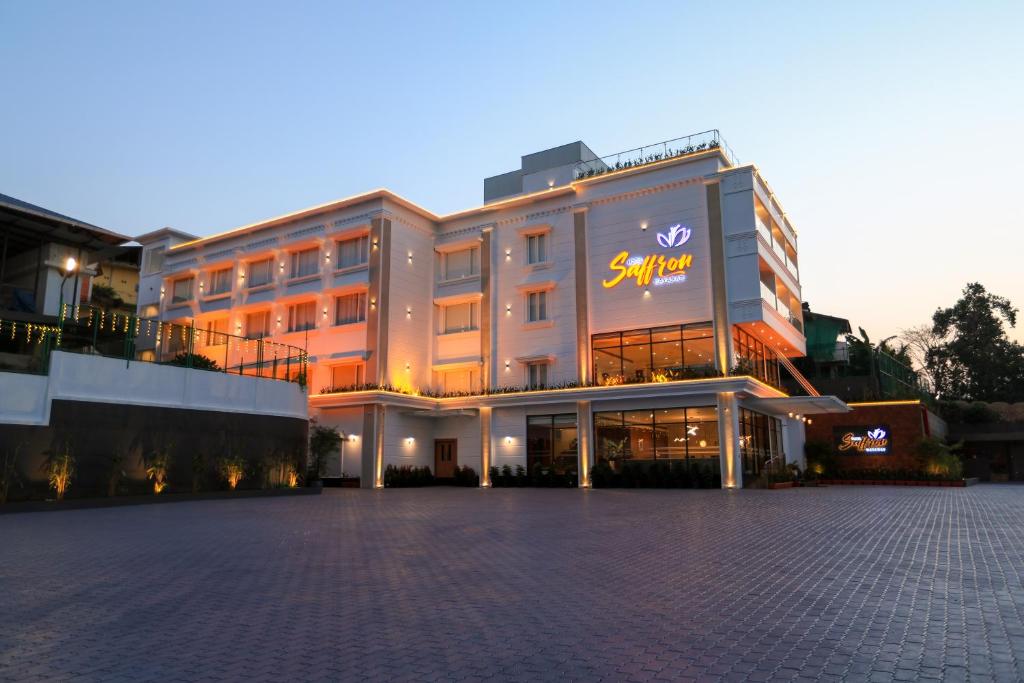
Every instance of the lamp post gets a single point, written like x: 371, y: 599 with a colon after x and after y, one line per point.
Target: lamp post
x: 70, y: 266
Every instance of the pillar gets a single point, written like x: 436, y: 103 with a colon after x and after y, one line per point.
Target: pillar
x: 371, y: 473
x: 485, y: 447
x: 584, y: 442
x: 729, y: 441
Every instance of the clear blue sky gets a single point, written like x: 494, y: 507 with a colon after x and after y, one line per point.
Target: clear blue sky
x: 892, y: 132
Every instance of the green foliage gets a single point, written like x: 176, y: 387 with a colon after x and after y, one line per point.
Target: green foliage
x: 199, y: 361
x: 542, y: 475
x: 938, y: 459
x: 232, y: 469
x: 406, y: 476
x: 677, y: 474
x: 466, y: 476
x: 977, y: 361
x: 821, y: 459
x: 9, y: 470
x: 157, y: 466
x: 60, y: 470
x: 323, y: 441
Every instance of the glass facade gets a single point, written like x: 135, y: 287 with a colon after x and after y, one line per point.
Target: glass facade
x: 551, y: 441
x: 689, y: 434
x: 760, y: 443
x: 655, y: 354
x: 755, y: 357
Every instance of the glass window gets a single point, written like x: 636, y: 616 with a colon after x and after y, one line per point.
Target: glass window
x: 460, y: 317
x: 755, y: 358
x: 181, y: 290
x: 348, y: 375
x: 536, y: 306
x: 257, y: 325
x: 261, y: 272
x: 537, y: 375
x: 353, y: 252
x: 661, y: 354
x: 461, y: 263
x: 217, y: 331
x: 660, y: 433
x: 220, y: 281
x: 636, y: 356
x: 537, y: 248
x: 306, y: 262
x: 760, y: 443
x: 552, y: 442
x: 155, y: 260
x: 460, y: 381
x: 302, y: 316
x: 350, y: 308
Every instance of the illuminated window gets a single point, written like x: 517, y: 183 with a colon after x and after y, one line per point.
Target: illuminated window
x: 461, y: 381
x: 537, y: 375
x: 155, y: 260
x: 220, y: 281
x: 217, y: 331
x: 353, y: 252
x: 257, y: 325
x: 536, y: 306
x: 537, y: 248
x: 760, y: 443
x: 657, y: 434
x: 306, y: 262
x: 663, y: 353
x: 261, y: 272
x: 551, y: 442
x: 460, y: 264
x: 302, y: 316
x: 348, y: 375
x: 460, y: 317
x: 350, y: 308
x: 181, y: 291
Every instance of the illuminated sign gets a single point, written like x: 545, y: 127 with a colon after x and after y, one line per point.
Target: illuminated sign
x: 656, y: 269
x: 875, y: 440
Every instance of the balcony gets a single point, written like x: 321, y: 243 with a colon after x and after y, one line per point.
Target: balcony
x: 651, y: 154
x: 773, y: 300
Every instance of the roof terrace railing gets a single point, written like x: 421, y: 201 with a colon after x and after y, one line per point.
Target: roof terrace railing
x: 26, y: 347
x: 659, y: 151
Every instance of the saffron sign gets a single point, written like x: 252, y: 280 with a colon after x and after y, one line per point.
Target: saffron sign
x: 875, y: 440
x: 657, y: 269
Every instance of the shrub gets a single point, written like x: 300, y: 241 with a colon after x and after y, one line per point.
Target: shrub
x: 60, y: 470
x: 406, y: 476
x: 466, y: 476
x: 232, y: 469
x: 821, y: 460
x: 939, y: 460
x: 677, y: 474
x: 199, y: 361
x: 323, y: 441
x: 156, y: 468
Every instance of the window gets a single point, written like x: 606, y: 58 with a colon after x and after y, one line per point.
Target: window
x: 551, y: 441
x: 155, y: 260
x: 261, y: 272
x: 536, y: 306
x: 257, y: 325
x: 689, y: 434
x: 660, y: 354
x: 220, y: 281
x: 460, y: 317
x: 349, y: 375
x: 460, y: 381
x: 350, y: 308
x: 755, y: 358
x: 181, y: 290
x: 216, y: 332
x: 760, y: 443
x: 302, y: 316
x: 537, y: 375
x: 306, y: 262
x: 537, y: 248
x: 354, y: 252
x: 460, y: 264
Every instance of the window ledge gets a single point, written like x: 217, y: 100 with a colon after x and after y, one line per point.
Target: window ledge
x: 260, y: 288
x: 301, y: 279
x: 455, y: 333
x: 540, y: 265
x: 538, y: 324
x: 349, y: 324
x: 352, y: 269
x: 216, y: 297
x: 457, y: 280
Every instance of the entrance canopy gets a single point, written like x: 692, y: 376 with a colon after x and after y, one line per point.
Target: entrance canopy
x: 799, y: 405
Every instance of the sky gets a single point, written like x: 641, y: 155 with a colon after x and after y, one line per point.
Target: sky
x: 892, y: 133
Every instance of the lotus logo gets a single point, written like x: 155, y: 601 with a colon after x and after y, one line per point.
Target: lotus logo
x: 877, y: 433
x: 676, y: 236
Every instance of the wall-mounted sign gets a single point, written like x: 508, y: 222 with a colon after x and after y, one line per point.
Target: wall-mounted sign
x: 861, y: 440
x: 657, y: 269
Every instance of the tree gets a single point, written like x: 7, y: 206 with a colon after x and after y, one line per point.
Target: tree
x: 920, y: 342
x: 976, y: 361
x: 322, y: 442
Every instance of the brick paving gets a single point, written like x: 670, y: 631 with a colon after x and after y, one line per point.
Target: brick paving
x: 844, y: 583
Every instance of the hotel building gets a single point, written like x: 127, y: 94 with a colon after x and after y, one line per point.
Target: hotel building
x: 638, y: 307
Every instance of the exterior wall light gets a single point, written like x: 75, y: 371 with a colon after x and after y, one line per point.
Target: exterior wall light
x: 508, y: 254
x: 353, y: 437
x: 508, y: 440
x: 408, y: 367
x: 325, y: 313
x: 408, y: 312
x: 643, y: 226
x: 647, y: 293
x: 373, y: 303
x: 410, y: 257
x: 409, y: 441
x: 327, y: 256
x: 508, y: 309
x: 508, y: 366
x: 281, y: 267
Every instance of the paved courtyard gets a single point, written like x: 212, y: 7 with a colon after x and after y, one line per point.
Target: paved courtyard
x: 851, y: 583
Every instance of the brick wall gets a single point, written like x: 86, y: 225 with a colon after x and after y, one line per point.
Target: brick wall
x: 907, y: 424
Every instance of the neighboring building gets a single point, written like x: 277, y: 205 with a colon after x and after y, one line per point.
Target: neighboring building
x: 35, y: 243
x: 592, y: 310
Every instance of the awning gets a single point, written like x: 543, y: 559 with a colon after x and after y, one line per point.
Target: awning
x: 798, y: 405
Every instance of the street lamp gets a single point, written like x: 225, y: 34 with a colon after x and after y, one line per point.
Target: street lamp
x: 70, y: 266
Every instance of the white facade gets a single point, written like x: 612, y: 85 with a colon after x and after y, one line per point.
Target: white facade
x: 423, y: 328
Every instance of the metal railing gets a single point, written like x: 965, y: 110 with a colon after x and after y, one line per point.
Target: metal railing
x: 112, y: 334
x: 25, y: 347
x: 659, y: 151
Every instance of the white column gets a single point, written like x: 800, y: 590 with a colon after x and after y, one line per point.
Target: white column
x: 485, y: 447
x: 729, y: 441
x: 584, y: 442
